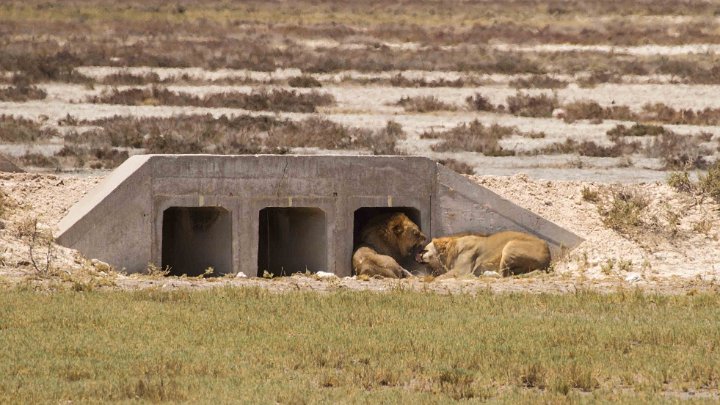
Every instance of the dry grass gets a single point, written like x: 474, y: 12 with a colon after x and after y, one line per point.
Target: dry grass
x: 150, y: 346
x: 424, y: 104
x: 401, y: 81
x: 478, y: 102
x: 21, y: 93
x: 257, y: 100
x: 668, y: 115
x: 538, y: 82
x: 472, y: 137
x: 526, y: 105
x: 304, y: 81
x: 243, y: 134
x: 591, y: 110
x: 21, y: 130
x: 35, y: 159
x: 709, y: 183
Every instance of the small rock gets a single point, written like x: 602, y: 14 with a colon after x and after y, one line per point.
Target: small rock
x: 491, y: 274
x: 633, y: 278
x: 241, y: 275
x: 325, y: 274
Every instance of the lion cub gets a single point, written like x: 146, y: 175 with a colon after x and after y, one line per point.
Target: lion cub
x: 384, y: 241
x: 506, y: 252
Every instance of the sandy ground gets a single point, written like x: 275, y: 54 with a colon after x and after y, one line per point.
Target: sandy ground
x: 684, y: 262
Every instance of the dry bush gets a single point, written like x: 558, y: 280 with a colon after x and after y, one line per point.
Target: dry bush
x: 623, y: 211
x: 589, y: 148
x: 304, y: 81
x: 709, y: 183
x: 242, y: 134
x: 21, y: 130
x: 39, y: 160
x: 325, y: 134
x: 401, y: 81
x: 663, y: 113
x: 35, y: 64
x: 478, y: 102
x: 526, y: 105
x: 591, y: 110
x: 257, y: 100
x: 458, y: 166
x: 538, y: 82
x: 20, y: 93
x: 636, y: 130
x: 130, y: 79
x: 681, y: 182
x: 679, y: 151
x: 472, y: 137
x: 598, y: 77
x: 423, y: 104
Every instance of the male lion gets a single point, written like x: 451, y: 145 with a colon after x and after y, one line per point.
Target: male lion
x: 384, y: 241
x: 506, y: 252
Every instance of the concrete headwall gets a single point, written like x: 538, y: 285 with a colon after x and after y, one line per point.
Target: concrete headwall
x: 121, y: 221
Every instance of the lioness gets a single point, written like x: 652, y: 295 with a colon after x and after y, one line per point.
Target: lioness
x: 384, y: 241
x: 506, y: 252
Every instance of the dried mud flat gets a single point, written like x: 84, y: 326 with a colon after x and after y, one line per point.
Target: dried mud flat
x: 680, y: 262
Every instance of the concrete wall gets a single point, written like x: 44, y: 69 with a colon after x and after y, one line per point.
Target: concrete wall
x: 121, y: 221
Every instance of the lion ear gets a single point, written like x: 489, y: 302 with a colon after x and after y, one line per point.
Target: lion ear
x: 397, y: 229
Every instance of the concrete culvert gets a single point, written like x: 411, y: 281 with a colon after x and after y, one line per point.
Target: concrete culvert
x: 292, y: 240
x: 195, y: 238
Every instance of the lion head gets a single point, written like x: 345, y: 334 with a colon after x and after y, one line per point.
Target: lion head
x: 394, y: 234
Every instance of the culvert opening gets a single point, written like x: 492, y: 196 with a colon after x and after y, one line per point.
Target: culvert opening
x: 364, y: 214
x: 292, y: 240
x: 196, y: 238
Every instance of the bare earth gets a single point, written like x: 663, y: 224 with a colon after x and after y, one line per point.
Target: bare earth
x: 682, y: 261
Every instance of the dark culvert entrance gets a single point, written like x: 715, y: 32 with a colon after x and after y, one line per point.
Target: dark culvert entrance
x: 292, y: 240
x: 195, y: 238
x: 364, y: 214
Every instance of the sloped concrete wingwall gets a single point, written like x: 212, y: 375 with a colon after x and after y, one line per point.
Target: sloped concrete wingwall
x: 113, y: 222
x: 121, y: 222
x: 464, y: 206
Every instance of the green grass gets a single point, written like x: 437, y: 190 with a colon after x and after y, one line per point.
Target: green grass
x: 262, y: 347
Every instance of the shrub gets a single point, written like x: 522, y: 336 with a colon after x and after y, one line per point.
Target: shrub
x: 39, y: 160
x: 478, y: 102
x: 257, y: 100
x: 590, y: 195
x: 21, y: 130
x: 680, y: 181
x: 526, y: 105
x: 20, y: 93
x: 591, y: 110
x: 423, y: 104
x: 663, y: 113
x: 401, y: 81
x: 538, y: 82
x: 678, y: 151
x: 130, y: 79
x: 624, y: 210
x: 304, y: 81
x: 710, y: 183
x: 472, y: 137
x: 635, y: 130
x: 597, y: 77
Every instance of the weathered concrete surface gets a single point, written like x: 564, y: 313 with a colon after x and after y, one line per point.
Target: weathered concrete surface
x: 121, y: 221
